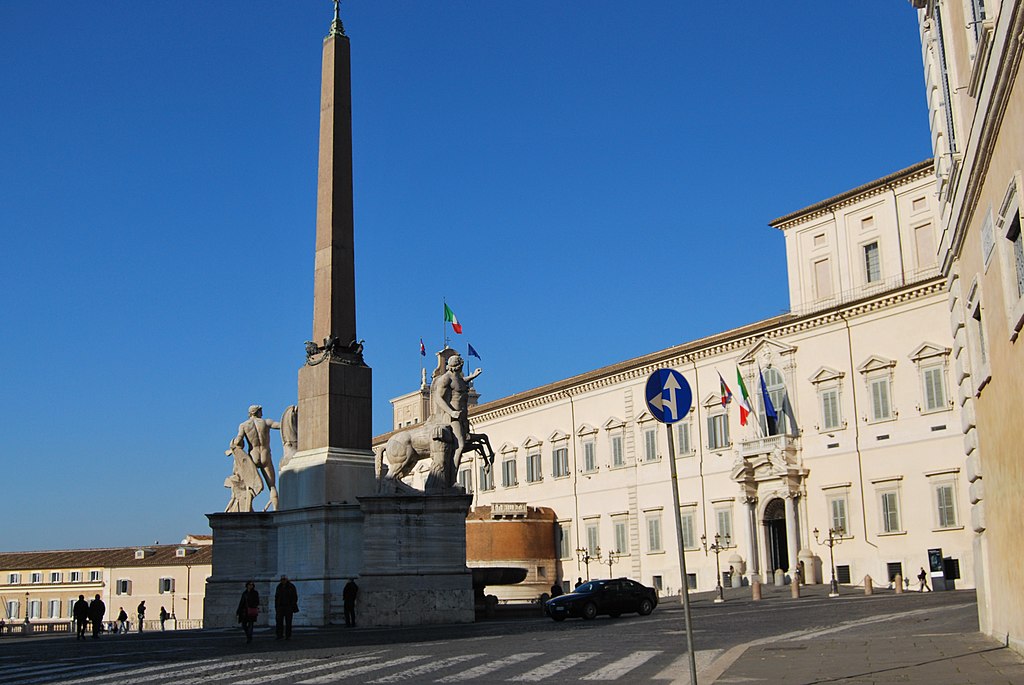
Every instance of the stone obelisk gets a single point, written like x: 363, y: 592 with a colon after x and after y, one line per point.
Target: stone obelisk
x: 334, y: 462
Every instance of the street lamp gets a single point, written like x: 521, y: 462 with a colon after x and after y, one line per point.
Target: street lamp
x: 612, y: 556
x: 586, y: 557
x: 835, y: 537
x: 26, y: 608
x: 719, y: 544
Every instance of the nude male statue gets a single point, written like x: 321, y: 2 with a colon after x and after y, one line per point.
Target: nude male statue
x: 256, y: 432
x: 449, y: 397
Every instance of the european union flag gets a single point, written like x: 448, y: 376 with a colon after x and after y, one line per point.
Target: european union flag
x: 473, y: 353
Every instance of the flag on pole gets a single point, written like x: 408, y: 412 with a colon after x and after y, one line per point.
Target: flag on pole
x: 726, y: 393
x: 473, y: 353
x: 423, y: 348
x: 449, y: 317
x: 769, y: 408
x: 744, y: 399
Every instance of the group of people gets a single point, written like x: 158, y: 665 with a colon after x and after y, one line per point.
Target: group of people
x: 91, y: 613
x: 286, y: 605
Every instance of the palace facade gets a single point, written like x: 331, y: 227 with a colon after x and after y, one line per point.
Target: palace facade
x: 866, y: 442
x: 972, y: 53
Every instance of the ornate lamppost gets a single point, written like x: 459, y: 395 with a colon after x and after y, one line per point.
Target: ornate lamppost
x: 612, y: 556
x: 719, y: 544
x: 835, y: 537
x: 27, y: 611
x: 586, y: 557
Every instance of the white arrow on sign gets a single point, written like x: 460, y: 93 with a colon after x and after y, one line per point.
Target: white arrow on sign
x: 671, y: 385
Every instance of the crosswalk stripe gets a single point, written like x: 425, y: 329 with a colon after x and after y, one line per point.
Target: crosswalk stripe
x: 134, y: 671
x: 485, y: 669
x: 266, y: 667
x: 32, y: 669
x: 426, y: 668
x: 334, y: 663
x: 617, y: 669
x: 181, y: 670
x: 557, y: 666
x: 33, y: 678
x: 359, y: 670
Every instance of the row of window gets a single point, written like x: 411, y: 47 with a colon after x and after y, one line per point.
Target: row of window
x: 943, y: 507
x: 36, y: 577
x: 124, y: 586
x: 35, y: 606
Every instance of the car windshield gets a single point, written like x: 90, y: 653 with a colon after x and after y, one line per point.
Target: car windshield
x: 588, y: 587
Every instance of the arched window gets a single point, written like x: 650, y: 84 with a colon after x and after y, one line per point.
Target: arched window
x: 776, y: 385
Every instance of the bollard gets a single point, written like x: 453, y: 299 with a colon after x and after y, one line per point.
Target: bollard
x: 755, y: 590
x: 794, y: 588
x: 898, y: 582
x: 869, y: 586
x: 780, y: 577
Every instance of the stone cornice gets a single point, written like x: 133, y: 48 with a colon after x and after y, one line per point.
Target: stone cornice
x: 894, y: 180
x: 705, y: 348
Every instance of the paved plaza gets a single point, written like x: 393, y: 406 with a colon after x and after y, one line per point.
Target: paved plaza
x: 885, y: 638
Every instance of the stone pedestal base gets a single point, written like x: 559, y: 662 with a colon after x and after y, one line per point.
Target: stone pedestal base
x: 325, y: 475
x: 245, y: 548
x: 318, y: 548
x: 414, y: 561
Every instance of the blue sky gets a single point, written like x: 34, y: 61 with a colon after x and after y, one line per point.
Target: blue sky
x: 584, y: 181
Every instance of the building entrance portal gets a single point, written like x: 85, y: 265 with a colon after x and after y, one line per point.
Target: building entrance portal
x: 775, y: 535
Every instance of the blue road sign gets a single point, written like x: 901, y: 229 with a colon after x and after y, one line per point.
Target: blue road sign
x: 668, y: 395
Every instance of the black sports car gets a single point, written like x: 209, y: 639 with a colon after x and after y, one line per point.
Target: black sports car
x: 612, y: 597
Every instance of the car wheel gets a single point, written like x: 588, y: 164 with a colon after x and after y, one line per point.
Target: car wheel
x: 589, y: 611
x: 615, y: 614
x: 646, y: 607
x: 558, y: 618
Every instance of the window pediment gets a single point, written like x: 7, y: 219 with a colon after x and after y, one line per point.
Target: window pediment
x: 532, y: 442
x: 508, y: 448
x: 826, y: 374
x: 585, y: 429
x: 711, y: 400
x: 765, y: 351
x: 558, y: 436
x: 645, y: 417
x: 876, y: 363
x: 613, y: 423
x: 929, y: 351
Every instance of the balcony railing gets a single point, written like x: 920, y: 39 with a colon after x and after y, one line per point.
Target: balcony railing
x: 769, y: 443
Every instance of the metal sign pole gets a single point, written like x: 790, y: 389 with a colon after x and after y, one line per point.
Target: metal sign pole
x: 682, y: 555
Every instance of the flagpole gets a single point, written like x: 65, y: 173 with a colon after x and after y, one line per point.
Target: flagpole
x: 444, y: 328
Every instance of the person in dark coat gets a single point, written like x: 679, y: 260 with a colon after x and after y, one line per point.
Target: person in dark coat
x: 96, y: 610
x: 163, y: 617
x: 141, y: 611
x: 286, y: 603
x: 248, y: 609
x: 122, y: 621
x: 80, y: 610
x: 556, y: 589
x: 348, y: 595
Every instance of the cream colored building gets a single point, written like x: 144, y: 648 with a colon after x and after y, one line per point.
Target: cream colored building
x: 868, y: 437
x: 972, y: 51
x: 49, y: 583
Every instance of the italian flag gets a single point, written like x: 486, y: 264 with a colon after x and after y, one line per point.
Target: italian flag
x: 449, y: 317
x: 744, y: 400
x: 726, y: 392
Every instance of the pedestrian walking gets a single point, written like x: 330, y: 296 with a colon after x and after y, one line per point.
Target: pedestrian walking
x: 141, y: 611
x: 96, y: 610
x: 556, y: 589
x: 163, y: 617
x: 122, y: 621
x: 286, y: 603
x: 348, y: 595
x: 80, y: 610
x: 923, y: 578
x: 248, y: 609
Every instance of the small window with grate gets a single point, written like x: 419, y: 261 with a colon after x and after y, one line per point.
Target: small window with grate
x: 843, y: 574
x: 894, y: 568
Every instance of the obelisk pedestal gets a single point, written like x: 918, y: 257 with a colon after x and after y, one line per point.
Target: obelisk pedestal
x: 414, y: 561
